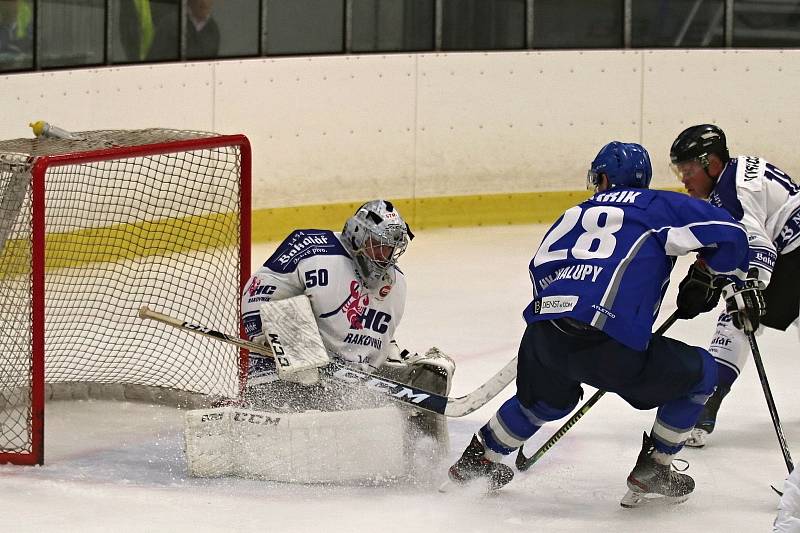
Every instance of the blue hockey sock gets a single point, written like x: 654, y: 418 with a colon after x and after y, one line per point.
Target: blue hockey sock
x: 727, y: 376
x: 514, y: 423
x: 675, y: 419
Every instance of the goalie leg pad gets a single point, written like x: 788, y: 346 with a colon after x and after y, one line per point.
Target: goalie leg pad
x: 310, y: 447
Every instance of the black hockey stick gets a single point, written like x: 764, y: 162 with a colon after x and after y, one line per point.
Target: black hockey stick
x: 400, y: 392
x: 523, y: 463
x: 773, y: 411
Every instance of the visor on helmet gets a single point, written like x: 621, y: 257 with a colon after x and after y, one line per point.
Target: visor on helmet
x: 688, y: 168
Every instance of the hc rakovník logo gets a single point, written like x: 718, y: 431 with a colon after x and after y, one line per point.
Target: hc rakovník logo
x: 353, y: 306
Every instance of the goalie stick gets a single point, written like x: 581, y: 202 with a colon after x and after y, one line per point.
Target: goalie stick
x: 523, y: 463
x: 435, y: 403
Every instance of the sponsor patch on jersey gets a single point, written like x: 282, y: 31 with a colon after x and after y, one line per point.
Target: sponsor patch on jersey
x: 384, y: 291
x: 555, y: 304
x: 252, y: 324
x: 604, y: 310
x: 302, y: 244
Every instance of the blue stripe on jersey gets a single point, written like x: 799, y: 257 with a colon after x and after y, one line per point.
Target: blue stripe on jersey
x: 607, y: 302
x: 302, y: 244
x: 724, y: 193
x: 789, y: 233
x: 704, y: 231
x: 718, y: 256
x: 763, y: 258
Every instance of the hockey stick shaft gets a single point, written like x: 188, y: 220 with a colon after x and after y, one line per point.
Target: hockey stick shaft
x: 523, y: 463
x: 147, y: 313
x: 400, y: 392
x: 773, y: 411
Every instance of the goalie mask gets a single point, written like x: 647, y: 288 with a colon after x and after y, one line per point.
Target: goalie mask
x: 375, y: 237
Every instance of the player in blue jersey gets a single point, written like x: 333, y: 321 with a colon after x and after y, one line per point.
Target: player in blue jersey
x: 598, y: 279
x: 767, y: 203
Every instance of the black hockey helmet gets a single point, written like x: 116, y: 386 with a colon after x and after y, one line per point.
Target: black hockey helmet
x: 697, y: 142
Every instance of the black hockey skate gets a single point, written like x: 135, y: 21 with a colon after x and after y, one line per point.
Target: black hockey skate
x: 473, y: 464
x: 652, y: 482
x: 708, y: 419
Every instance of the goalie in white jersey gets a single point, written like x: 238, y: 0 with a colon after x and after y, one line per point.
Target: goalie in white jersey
x: 324, y: 295
x: 767, y: 203
x: 357, y: 295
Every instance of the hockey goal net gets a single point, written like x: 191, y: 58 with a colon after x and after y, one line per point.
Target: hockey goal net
x: 90, y: 230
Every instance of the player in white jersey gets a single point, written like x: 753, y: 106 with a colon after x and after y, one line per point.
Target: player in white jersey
x: 357, y: 294
x: 767, y: 203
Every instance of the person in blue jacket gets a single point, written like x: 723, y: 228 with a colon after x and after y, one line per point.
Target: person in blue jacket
x: 599, y: 277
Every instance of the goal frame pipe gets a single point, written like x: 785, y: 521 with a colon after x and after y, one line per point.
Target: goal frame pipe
x: 38, y: 237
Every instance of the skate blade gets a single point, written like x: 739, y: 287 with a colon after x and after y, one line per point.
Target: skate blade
x: 698, y: 439
x: 639, y: 499
x: 696, y: 445
x: 447, y: 486
x: 476, y: 488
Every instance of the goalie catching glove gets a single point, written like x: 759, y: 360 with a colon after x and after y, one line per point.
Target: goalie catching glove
x: 433, y: 365
x: 745, y: 303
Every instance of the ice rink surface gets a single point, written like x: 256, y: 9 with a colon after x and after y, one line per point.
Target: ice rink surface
x: 119, y: 467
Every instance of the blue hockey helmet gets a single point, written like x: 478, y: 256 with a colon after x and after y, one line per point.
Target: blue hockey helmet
x: 625, y: 164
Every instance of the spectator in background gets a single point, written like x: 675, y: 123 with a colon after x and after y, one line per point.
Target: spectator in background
x: 16, y: 20
x: 202, y: 33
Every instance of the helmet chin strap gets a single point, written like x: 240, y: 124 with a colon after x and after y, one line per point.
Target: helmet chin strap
x: 705, y: 163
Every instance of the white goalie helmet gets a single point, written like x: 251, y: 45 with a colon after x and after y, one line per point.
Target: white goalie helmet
x: 375, y: 237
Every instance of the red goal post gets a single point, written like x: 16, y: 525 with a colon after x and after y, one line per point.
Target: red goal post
x: 91, y: 229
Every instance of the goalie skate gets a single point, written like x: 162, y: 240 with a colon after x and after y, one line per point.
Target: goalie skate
x: 651, y: 482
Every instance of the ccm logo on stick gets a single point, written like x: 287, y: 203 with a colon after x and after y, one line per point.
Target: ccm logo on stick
x: 384, y: 387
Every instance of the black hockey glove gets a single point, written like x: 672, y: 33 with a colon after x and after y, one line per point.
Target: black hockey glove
x: 697, y: 292
x: 745, y: 303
